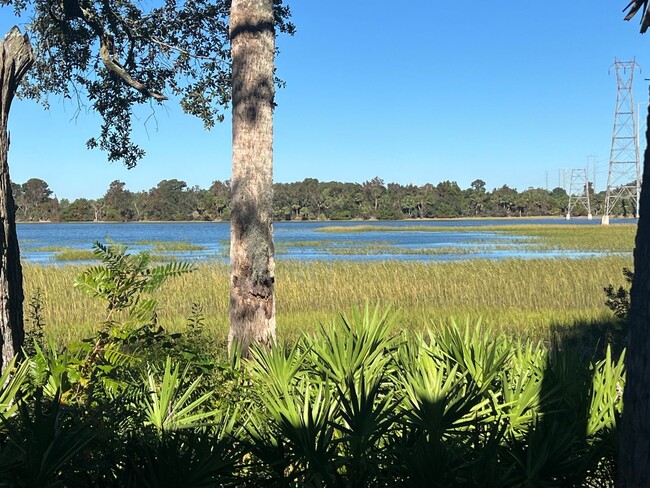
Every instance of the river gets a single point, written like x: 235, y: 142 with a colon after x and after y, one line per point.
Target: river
x: 39, y: 242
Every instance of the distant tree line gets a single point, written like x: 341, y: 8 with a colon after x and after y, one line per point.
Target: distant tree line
x: 310, y: 199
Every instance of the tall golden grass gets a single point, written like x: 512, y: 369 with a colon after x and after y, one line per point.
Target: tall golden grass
x: 522, y: 297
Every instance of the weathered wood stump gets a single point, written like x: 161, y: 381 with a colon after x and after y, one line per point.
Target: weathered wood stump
x: 16, y: 58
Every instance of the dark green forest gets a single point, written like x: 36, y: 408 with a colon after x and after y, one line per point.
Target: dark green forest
x: 310, y: 199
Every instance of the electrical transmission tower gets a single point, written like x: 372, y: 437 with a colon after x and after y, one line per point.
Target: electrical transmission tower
x: 624, y: 180
x: 579, y: 192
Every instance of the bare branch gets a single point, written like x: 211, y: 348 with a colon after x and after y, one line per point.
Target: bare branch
x: 105, y: 48
x: 115, y: 67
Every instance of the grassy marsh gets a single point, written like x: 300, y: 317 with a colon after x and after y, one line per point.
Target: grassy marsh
x: 617, y: 238
x: 50, y: 248
x: 526, y: 298
x: 65, y: 253
x: 166, y: 246
x: 375, y: 248
x: 75, y: 255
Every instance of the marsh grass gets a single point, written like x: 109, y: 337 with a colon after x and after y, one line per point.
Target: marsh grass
x: 50, y: 248
x: 524, y: 298
x: 290, y: 244
x: 165, y: 246
x: 382, y: 247
x: 371, y: 249
x: 71, y: 254
x: 619, y: 237
x: 66, y: 253
x: 74, y: 255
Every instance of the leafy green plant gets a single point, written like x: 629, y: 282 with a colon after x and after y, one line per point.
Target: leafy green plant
x: 477, y: 353
x: 618, y: 301
x: 12, y: 381
x: 54, y: 372
x: 352, y: 404
x: 123, y: 280
x: 441, y: 410
x: 367, y: 415
x: 294, y: 434
x: 173, y: 403
x: 42, y: 445
x: 605, y: 409
x: 324, y: 403
x: 355, y: 355
x: 289, y: 426
x: 130, y: 334
x: 35, y: 334
x: 202, y: 459
x: 361, y: 342
x: 520, y: 395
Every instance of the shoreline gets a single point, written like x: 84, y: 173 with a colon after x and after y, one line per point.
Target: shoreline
x: 435, y: 219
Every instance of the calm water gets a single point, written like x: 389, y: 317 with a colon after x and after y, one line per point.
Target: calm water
x: 294, y: 240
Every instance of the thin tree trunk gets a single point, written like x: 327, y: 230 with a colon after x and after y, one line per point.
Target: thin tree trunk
x: 634, y: 435
x: 252, y: 299
x: 15, y: 59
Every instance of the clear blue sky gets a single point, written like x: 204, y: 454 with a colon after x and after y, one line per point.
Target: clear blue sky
x: 505, y: 91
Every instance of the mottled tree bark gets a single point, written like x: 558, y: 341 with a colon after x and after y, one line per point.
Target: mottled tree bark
x: 634, y: 434
x: 252, y: 299
x: 15, y: 59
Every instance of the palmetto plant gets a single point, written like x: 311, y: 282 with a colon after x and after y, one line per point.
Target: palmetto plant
x: 174, y: 403
x: 290, y: 430
x: 194, y: 442
x: 324, y: 405
x: 350, y: 345
x: 353, y: 404
x: 42, y: 445
x: 356, y: 355
x: 443, y: 412
x: 12, y: 380
x: 474, y: 350
x: 520, y: 394
x: 204, y: 458
x: 357, y: 405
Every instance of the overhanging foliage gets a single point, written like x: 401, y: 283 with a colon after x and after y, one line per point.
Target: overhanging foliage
x: 118, y: 54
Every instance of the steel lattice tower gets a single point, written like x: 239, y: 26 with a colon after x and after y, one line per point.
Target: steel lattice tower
x: 624, y: 180
x: 579, y: 192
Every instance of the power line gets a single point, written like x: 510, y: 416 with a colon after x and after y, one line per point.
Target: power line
x: 579, y: 192
x: 624, y: 179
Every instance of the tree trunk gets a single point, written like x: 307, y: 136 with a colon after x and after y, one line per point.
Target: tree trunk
x: 634, y: 435
x: 15, y: 59
x: 252, y: 300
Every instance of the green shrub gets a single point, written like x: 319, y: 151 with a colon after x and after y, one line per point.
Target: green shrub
x: 353, y: 404
x: 357, y: 405
x: 618, y: 301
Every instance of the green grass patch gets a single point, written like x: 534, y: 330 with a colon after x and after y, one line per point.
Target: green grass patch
x: 168, y: 246
x: 51, y: 249
x: 71, y: 254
